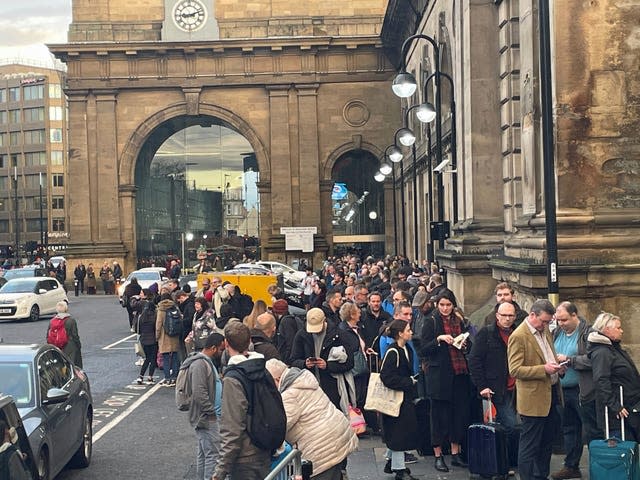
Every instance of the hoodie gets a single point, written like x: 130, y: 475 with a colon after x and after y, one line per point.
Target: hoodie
x: 203, y: 380
x: 236, y: 445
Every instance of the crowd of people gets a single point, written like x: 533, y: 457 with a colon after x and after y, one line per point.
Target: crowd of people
x: 547, y: 372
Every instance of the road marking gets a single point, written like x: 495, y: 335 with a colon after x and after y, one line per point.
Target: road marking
x: 125, y: 339
x: 126, y: 413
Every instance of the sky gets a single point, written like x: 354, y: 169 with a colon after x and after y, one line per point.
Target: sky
x: 26, y: 25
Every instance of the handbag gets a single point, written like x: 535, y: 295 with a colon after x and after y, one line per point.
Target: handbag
x: 380, y: 398
x: 138, y: 348
x: 359, y: 364
x: 358, y: 425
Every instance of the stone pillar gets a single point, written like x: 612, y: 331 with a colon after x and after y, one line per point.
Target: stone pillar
x: 480, y: 174
x: 308, y: 181
x: 326, y: 213
x: 127, y: 202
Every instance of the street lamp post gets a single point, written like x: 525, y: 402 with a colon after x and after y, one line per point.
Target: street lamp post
x: 404, y: 85
x: 41, y: 216
x: 188, y: 236
x: 15, y: 197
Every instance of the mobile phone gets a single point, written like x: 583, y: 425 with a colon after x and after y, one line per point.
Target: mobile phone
x: 562, y: 364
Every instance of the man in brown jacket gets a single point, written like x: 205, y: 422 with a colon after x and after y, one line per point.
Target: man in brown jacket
x: 533, y: 363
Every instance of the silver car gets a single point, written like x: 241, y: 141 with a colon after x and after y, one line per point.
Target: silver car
x: 54, y: 401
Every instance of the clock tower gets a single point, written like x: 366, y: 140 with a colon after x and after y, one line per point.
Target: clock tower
x: 186, y: 20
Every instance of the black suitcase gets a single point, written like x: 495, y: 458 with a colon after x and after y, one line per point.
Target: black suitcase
x: 487, y: 449
x: 423, y: 441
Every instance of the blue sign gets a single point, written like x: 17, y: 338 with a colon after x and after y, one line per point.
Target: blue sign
x: 339, y: 191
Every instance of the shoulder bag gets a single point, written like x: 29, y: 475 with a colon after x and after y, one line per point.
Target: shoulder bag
x: 381, y: 398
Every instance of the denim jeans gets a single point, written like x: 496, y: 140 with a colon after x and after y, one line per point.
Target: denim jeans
x: 571, y: 427
x: 397, y: 459
x: 208, y: 450
x: 506, y: 416
x: 170, y: 365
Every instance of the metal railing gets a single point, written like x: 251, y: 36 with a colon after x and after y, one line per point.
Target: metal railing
x: 291, y: 467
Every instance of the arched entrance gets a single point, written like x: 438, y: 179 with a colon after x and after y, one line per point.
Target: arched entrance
x: 196, y: 180
x: 357, y: 204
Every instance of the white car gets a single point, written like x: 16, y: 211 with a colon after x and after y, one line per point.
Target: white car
x: 146, y: 277
x: 286, y: 271
x: 30, y: 298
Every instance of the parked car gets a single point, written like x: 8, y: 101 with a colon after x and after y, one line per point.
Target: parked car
x: 9, y: 413
x: 146, y: 277
x: 30, y: 298
x: 53, y: 398
x: 55, y: 261
x: 28, y: 271
x: 286, y: 271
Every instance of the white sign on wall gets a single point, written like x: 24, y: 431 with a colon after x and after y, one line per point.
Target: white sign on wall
x: 298, y: 238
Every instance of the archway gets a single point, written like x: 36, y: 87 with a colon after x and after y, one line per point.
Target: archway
x: 196, y: 179
x: 357, y: 201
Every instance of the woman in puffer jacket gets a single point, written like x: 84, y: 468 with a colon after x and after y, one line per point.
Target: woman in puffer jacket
x: 321, y: 431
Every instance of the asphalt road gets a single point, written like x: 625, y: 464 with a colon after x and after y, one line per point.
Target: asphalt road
x: 138, y: 432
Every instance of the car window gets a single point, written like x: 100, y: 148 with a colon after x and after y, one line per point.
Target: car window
x: 16, y: 379
x: 54, y: 371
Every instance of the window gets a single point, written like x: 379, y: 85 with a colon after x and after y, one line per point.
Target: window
x: 3, y: 161
x: 3, y: 95
x: 57, y: 180
x: 57, y: 203
x: 32, y: 181
x: 58, y: 224
x: 35, y: 158
x: 3, y: 139
x: 4, y: 184
x: 14, y: 116
x: 34, y: 114
x: 4, y: 226
x: 3, y: 205
x: 15, y: 138
x: 14, y: 94
x: 55, y: 91
x: 35, y: 203
x: 57, y: 157
x: 55, y: 113
x: 3, y: 116
x: 15, y: 159
x: 33, y: 224
x: 34, y: 137
x: 56, y: 135
x: 34, y: 92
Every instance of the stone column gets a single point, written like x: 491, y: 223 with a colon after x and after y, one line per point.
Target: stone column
x: 308, y: 180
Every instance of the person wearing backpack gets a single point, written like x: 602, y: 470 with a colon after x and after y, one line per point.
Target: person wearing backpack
x: 168, y: 337
x: 63, y: 333
x: 197, y: 388
x: 247, y: 387
x: 145, y: 313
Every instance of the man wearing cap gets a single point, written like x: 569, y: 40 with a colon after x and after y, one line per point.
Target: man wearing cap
x: 312, y: 348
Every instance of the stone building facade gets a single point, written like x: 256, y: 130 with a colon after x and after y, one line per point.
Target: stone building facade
x: 490, y: 48
x: 304, y: 83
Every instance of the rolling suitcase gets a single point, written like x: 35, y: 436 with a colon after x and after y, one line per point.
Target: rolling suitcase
x: 612, y: 458
x: 487, y: 449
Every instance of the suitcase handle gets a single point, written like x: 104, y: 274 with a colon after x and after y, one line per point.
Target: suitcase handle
x: 606, y: 418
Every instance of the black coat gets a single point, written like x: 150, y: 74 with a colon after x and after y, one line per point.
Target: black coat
x: 371, y: 326
x: 188, y: 310
x: 288, y: 327
x: 146, y: 322
x: 487, y: 361
x: 440, y: 371
x: 303, y: 348
x: 400, y: 433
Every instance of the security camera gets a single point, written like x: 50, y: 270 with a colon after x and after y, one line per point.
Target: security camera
x: 440, y: 167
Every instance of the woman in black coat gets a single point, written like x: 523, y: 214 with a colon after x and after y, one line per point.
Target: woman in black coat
x: 145, y: 312
x: 130, y: 291
x: 399, y: 433
x: 448, y: 382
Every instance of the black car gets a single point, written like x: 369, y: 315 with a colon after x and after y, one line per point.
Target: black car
x: 9, y: 414
x: 53, y: 398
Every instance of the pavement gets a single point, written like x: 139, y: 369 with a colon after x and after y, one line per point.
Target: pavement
x: 367, y: 463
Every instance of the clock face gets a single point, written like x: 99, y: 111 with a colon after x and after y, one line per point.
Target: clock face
x: 189, y: 15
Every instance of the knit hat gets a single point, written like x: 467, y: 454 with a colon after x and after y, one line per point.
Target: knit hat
x: 315, y: 320
x: 280, y: 307
x: 275, y: 367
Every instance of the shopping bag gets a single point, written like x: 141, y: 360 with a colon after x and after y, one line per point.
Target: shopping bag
x: 358, y: 425
x: 138, y: 348
x: 381, y: 398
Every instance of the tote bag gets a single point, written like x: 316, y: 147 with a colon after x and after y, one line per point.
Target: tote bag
x: 379, y: 397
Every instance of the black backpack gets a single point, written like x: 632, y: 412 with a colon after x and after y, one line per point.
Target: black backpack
x: 266, y: 418
x: 173, y: 322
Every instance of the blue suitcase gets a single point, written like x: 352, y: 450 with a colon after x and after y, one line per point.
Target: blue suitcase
x: 487, y: 449
x: 614, y: 459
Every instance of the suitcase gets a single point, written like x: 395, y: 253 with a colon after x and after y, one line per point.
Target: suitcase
x: 612, y: 458
x: 423, y: 441
x: 487, y: 449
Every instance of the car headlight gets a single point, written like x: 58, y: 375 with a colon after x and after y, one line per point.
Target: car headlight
x: 22, y: 304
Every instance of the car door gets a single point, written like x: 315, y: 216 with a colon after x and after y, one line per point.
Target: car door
x: 56, y: 416
x: 50, y: 297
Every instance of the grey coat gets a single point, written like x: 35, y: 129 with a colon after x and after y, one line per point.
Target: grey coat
x: 203, y: 390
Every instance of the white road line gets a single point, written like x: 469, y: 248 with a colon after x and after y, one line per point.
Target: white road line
x: 125, y: 339
x: 126, y: 413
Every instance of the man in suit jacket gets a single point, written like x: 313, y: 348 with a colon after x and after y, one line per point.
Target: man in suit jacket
x: 533, y: 363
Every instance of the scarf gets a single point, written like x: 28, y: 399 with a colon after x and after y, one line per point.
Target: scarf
x: 452, y: 327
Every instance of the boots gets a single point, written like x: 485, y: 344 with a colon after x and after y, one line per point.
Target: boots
x: 404, y: 475
x: 440, y: 465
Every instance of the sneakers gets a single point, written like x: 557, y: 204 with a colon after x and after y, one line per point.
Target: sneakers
x: 566, y: 473
x: 404, y: 475
x: 410, y: 458
x: 139, y: 381
x: 150, y: 381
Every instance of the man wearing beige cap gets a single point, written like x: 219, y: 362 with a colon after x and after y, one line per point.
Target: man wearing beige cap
x: 321, y: 348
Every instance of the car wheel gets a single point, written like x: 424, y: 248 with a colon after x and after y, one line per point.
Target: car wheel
x: 82, y: 457
x: 34, y: 314
x: 43, y: 464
